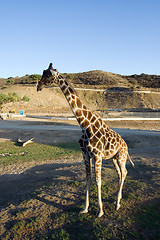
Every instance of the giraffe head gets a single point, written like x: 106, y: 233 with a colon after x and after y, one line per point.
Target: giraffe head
x: 49, y: 76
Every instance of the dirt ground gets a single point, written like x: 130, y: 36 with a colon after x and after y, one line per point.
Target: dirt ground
x: 53, y: 178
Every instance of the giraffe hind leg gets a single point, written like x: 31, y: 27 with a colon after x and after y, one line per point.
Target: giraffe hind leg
x: 121, y: 160
x: 115, y: 163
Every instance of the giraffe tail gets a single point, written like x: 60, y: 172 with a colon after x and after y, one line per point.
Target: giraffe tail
x: 130, y: 160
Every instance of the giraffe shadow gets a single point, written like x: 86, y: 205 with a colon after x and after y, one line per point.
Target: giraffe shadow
x: 145, y: 175
x: 39, y: 182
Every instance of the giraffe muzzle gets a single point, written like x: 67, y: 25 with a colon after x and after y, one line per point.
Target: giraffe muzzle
x: 39, y: 88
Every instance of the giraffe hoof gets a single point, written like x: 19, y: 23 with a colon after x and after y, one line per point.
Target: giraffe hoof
x: 83, y: 211
x: 118, y: 207
x: 100, y: 214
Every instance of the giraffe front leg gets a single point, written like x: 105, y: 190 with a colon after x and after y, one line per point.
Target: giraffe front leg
x: 88, y: 183
x: 98, y: 165
x: 100, y: 208
x: 86, y: 205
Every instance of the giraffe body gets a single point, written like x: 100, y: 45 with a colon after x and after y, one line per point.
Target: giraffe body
x: 97, y: 142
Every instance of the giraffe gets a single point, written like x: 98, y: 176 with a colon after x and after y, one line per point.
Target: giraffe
x: 97, y: 142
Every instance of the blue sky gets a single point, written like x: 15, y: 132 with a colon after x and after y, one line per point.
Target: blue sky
x: 119, y: 36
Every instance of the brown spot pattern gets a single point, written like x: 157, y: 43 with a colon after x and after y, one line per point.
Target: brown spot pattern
x: 79, y: 103
x: 98, y: 140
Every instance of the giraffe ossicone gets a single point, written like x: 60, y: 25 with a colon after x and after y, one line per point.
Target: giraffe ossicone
x: 98, y: 141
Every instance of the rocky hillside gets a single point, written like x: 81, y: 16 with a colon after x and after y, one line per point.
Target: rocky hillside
x: 95, y: 79
x: 121, y: 93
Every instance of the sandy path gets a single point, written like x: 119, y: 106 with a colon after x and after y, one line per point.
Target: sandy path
x: 144, y: 142
x: 141, y: 143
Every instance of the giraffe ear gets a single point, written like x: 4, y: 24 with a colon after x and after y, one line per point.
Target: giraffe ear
x: 52, y: 70
x: 50, y: 66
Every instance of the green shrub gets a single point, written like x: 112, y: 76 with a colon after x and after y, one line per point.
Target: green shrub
x: 25, y: 98
x: 10, y: 80
x: 3, y: 98
x: 35, y: 76
x: 11, y: 97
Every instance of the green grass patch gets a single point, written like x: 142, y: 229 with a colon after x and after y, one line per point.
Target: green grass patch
x: 35, y: 152
x: 38, y: 218
x: 148, y: 221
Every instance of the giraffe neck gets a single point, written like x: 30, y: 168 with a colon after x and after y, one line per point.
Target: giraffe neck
x: 82, y: 114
